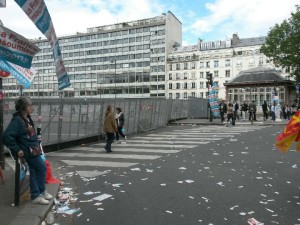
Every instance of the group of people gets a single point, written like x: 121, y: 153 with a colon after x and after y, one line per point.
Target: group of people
x: 21, y: 138
x: 113, y: 127
x: 232, y: 110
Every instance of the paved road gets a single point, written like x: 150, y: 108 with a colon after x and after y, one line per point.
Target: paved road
x: 183, y: 175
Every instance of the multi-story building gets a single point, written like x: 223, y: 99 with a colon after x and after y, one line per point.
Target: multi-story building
x: 187, y: 66
x: 122, y: 60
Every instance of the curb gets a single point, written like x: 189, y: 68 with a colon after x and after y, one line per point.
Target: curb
x: 34, y: 214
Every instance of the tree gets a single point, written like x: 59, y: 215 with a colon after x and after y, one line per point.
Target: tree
x: 282, y: 44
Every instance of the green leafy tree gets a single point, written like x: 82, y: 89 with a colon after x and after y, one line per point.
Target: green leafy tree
x: 282, y: 44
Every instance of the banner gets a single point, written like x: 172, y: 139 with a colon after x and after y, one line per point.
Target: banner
x: 23, y: 75
x: 15, y: 48
x: 290, y: 134
x: 213, y: 103
x: 37, y: 11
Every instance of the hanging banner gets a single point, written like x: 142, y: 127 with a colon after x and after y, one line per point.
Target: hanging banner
x: 15, y: 48
x: 213, y: 103
x: 23, y: 75
x: 37, y: 11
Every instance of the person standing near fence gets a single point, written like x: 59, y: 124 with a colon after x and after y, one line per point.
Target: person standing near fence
x: 20, y: 137
x: 110, y: 128
x: 120, y: 123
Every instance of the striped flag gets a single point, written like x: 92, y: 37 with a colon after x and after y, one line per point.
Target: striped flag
x: 290, y: 134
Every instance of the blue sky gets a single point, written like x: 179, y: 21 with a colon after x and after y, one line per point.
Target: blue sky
x: 206, y: 19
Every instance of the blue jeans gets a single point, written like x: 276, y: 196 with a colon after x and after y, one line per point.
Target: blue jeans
x: 37, y: 177
x: 110, y: 139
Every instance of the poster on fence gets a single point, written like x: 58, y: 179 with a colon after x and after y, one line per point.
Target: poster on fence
x: 212, y: 98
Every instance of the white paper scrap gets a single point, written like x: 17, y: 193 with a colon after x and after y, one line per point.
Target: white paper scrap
x: 102, y: 197
x: 189, y: 181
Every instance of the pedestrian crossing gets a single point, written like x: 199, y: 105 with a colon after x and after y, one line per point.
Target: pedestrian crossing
x: 88, y: 160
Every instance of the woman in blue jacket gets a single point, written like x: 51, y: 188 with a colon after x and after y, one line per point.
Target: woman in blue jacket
x: 20, y: 137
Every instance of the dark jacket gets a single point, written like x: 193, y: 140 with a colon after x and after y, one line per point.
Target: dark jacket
x: 120, y: 119
x: 264, y: 107
x: 17, y: 136
x: 223, y: 107
x: 245, y: 107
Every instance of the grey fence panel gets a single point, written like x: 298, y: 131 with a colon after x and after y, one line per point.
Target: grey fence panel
x: 82, y: 118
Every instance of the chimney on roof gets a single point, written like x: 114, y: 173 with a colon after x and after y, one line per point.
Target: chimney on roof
x: 235, y: 39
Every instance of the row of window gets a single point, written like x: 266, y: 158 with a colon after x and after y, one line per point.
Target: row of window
x: 191, y: 85
x: 156, y: 30
x: 216, y: 63
x: 193, y: 75
x: 185, y: 95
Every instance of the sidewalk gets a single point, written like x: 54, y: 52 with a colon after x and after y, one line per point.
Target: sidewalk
x: 27, y: 213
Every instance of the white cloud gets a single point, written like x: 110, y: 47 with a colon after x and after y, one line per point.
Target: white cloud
x: 70, y: 16
x: 247, y: 18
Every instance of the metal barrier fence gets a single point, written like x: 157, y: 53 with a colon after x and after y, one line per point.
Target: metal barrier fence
x: 65, y: 120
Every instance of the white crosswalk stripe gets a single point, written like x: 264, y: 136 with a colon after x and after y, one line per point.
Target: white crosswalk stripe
x: 140, y: 148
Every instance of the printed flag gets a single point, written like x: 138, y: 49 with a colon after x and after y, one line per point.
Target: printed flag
x: 15, y: 48
x: 290, y: 134
x: 23, y: 76
x: 37, y: 11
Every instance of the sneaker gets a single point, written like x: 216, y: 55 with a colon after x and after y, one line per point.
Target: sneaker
x: 47, y: 196
x: 40, y: 200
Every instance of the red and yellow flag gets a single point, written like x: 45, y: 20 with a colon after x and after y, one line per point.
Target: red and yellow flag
x: 290, y: 134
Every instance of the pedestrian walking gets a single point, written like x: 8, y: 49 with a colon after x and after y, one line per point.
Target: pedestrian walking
x: 230, y: 115
x: 265, y: 110
x: 288, y: 112
x: 120, y: 124
x: 236, y: 110
x: 273, y: 111
x: 244, y: 110
x: 110, y: 128
x: 252, y: 111
x: 223, y: 110
x: 21, y: 138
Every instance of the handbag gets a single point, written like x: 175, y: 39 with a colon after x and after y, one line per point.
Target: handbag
x: 36, y: 151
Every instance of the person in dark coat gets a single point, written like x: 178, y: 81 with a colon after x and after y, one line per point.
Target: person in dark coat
x: 223, y: 110
x: 265, y: 110
x: 21, y: 139
x: 252, y: 111
x: 120, y: 123
x: 244, y: 109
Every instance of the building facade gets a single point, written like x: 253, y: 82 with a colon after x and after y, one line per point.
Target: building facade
x: 140, y: 59
x: 187, y: 66
x: 122, y: 60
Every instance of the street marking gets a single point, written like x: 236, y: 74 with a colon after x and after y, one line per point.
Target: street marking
x: 105, y: 155
x: 170, y: 140
x: 184, y: 138
x: 91, y: 173
x: 151, y: 145
x: 98, y: 163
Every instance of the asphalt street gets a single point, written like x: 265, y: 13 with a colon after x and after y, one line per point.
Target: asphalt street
x: 181, y: 175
